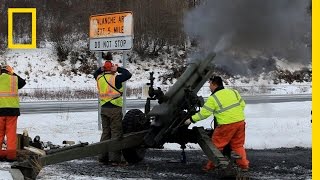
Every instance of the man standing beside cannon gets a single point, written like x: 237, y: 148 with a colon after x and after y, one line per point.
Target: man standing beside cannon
x: 10, y: 82
x: 109, y: 83
x: 228, y: 108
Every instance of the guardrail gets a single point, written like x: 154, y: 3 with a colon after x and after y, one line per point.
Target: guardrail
x: 66, y: 93
x: 92, y: 105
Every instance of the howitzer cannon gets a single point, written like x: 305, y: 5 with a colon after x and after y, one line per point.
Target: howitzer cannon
x: 161, y: 124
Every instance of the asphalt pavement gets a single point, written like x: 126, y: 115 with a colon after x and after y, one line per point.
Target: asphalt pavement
x: 282, y: 163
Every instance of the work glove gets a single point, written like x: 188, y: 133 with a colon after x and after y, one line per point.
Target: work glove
x: 9, y: 70
x: 188, y: 122
x: 114, y: 68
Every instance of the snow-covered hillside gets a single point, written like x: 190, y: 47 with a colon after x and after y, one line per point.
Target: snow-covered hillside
x: 42, y: 70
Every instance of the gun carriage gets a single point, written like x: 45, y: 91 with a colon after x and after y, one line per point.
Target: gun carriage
x: 163, y: 123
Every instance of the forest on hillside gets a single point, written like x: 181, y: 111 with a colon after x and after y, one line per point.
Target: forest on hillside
x: 156, y: 23
x: 159, y: 29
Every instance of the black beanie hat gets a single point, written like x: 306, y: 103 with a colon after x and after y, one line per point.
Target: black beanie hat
x: 217, y: 80
x: 107, y: 56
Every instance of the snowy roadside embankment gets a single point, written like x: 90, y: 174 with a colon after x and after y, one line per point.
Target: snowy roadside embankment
x: 46, y: 77
x: 271, y: 125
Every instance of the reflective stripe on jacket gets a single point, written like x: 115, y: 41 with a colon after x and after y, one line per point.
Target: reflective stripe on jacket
x: 226, y: 105
x: 9, y: 91
x: 108, y: 93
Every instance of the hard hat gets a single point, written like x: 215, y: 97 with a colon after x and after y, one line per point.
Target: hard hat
x: 107, y: 65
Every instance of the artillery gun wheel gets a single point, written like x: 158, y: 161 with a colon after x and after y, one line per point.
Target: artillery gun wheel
x: 134, y: 121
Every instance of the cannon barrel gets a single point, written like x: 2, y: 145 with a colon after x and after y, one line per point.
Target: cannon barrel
x: 196, y: 74
x: 165, y: 114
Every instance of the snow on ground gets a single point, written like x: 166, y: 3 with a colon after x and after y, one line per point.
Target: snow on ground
x: 5, y: 174
x: 41, y: 70
x: 271, y: 125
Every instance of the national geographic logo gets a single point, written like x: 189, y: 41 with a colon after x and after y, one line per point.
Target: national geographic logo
x: 33, y: 12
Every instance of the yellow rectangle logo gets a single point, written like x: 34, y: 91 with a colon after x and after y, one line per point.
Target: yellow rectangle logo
x: 33, y: 44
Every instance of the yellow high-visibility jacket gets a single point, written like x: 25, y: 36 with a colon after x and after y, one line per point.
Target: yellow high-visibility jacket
x: 9, y: 91
x: 226, y: 105
x: 108, y: 93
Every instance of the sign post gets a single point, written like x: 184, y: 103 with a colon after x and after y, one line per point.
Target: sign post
x: 99, y: 108
x: 111, y: 32
x: 124, y: 107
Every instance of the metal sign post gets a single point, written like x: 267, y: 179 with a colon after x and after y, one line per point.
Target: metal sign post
x: 99, y: 107
x: 111, y: 32
x: 124, y: 107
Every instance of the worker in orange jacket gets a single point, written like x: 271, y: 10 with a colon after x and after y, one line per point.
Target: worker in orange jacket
x: 9, y: 110
x: 227, y: 106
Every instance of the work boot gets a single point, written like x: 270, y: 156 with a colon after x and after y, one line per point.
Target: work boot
x: 119, y: 163
x: 11, y: 155
x: 123, y: 163
x: 3, y: 154
x: 208, y: 167
x: 114, y: 163
x: 2, y: 158
x: 103, y: 160
x: 244, y: 168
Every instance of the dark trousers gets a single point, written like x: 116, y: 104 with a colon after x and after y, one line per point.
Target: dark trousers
x: 111, y: 128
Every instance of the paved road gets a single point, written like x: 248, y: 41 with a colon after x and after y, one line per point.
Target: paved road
x: 92, y: 105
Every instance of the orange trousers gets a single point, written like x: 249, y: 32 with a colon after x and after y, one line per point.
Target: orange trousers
x: 8, y: 127
x: 233, y: 134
